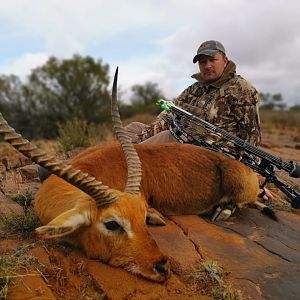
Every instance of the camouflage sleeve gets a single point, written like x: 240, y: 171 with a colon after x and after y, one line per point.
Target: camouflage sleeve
x: 246, y: 112
x: 244, y: 121
x: 159, y: 124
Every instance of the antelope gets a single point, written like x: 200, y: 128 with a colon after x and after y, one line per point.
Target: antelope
x: 140, y: 183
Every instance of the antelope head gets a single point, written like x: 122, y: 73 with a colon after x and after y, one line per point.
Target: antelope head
x: 108, y: 224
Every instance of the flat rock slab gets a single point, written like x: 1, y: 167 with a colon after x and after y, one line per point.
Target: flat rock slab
x: 176, y: 244
x: 262, y: 256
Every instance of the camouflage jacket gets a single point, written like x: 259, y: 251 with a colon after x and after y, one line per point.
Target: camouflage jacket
x: 230, y: 103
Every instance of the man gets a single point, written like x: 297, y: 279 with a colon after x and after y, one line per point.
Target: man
x: 219, y: 96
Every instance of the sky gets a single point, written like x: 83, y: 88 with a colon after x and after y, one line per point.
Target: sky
x: 156, y: 40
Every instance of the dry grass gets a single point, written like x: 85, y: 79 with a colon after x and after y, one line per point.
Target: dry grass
x: 24, y: 199
x: 104, y: 133
x: 10, y: 266
x: 22, y: 224
x: 280, y: 120
x: 78, y: 133
x: 19, y: 224
x: 208, y: 279
x: 52, y: 147
x: 16, y: 264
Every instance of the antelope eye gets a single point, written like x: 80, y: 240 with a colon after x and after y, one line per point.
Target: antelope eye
x: 112, y: 225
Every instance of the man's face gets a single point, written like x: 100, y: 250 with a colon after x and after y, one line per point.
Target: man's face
x: 212, y: 67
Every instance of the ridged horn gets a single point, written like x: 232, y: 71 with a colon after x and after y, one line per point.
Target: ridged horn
x: 102, y: 194
x: 132, y: 158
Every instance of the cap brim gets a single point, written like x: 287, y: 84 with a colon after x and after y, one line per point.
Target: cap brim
x: 206, y: 52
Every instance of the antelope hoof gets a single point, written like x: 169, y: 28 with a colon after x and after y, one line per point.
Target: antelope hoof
x: 216, y: 213
x: 223, y: 213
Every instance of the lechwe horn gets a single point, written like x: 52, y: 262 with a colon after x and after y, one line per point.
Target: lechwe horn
x: 102, y: 194
x: 132, y: 158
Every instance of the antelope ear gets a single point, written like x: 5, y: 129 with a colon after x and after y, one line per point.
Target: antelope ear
x: 154, y: 217
x: 64, y: 224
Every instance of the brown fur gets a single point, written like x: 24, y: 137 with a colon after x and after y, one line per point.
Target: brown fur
x: 176, y: 179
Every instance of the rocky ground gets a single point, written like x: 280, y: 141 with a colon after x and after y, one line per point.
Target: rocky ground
x: 247, y: 257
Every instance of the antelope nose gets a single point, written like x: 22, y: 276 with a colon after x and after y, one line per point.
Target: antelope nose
x: 162, y: 267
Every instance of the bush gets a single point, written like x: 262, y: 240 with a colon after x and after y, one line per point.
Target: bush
x: 24, y: 200
x: 20, y: 224
x: 208, y: 279
x: 76, y: 133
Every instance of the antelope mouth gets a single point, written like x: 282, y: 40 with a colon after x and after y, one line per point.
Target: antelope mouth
x: 158, y: 272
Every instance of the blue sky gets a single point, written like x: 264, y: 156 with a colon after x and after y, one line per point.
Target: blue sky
x: 155, y: 40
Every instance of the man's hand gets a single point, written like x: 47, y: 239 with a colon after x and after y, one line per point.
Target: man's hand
x: 266, y: 194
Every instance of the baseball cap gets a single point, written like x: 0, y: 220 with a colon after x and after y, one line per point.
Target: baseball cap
x: 209, y: 48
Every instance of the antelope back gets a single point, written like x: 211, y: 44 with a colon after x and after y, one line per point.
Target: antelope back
x: 177, y: 179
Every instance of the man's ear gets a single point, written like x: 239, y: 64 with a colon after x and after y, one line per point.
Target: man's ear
x: 225, y: 60
x: 64, y: 224
x: 154, y: 217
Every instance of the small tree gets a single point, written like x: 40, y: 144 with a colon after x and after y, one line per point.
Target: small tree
x: 271, y: 101
x: 295, y: 107
x: 145, y: 94
x: 62, y: 90
x: 14, y: 105
x: 76, y: 133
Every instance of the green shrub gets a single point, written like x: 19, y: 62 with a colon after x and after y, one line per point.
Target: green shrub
x: 104, y: 133
x: 76, y: 133
x: 23, y: 224
x: 24, y: 200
